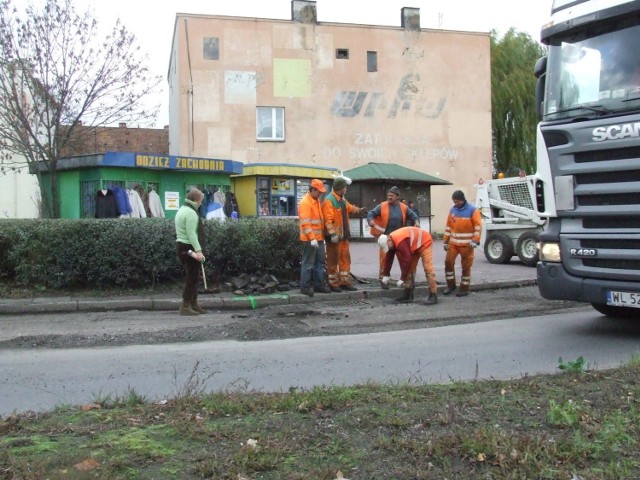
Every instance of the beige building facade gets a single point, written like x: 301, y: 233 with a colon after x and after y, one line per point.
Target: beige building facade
x: 337, y: 95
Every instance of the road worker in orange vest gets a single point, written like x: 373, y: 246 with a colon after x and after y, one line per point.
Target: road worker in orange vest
x: 312, y: 268
x: 388, y: 217
x: 336, y: 210
x: 410, y: 244
x: 461, y: 237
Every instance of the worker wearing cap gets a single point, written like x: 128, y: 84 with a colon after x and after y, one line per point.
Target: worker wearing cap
x: 410, y: 244
x: 336, y: 210
x: 388, y: 217
x: 312, y: 268
x: 461, y: 236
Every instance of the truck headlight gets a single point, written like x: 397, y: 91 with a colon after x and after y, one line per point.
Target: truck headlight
x: 550, y: 252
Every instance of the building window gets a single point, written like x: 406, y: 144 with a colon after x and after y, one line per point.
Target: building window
x: 342, y: 53
x: 270, y: 123
x: 210, y: 48
x: 372, y: 61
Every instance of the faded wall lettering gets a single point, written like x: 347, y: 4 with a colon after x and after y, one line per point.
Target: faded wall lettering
x: 409, y: 96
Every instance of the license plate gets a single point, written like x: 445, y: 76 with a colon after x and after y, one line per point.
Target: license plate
x: 623, y: 299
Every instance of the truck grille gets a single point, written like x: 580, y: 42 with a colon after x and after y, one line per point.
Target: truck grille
x: 606, y: 214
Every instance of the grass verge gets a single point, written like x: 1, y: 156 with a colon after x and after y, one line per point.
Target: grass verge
x: 578, y: 424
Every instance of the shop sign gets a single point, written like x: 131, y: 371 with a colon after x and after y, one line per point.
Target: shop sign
x: 170, y: 162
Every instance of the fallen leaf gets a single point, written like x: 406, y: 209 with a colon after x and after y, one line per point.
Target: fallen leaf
x: 87, y: 465
x: 481, y: 457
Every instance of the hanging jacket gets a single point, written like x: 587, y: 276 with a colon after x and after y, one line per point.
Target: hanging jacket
x: 332, y: 209
x: 311, y: 219
x: 106, y: 206
x: 381, y: 217
x: 155, y: 205
x: 122, y: 201
x: 464, y: 224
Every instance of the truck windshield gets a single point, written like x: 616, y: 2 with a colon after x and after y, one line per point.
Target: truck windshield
x: 592, y: 76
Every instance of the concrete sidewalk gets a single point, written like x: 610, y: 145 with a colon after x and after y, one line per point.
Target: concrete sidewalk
x: 364, y: 265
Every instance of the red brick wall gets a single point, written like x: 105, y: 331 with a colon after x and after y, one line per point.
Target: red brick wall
x: 88, y: 140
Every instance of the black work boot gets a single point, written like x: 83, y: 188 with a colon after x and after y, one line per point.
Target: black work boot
x: 449, y: 290
x: 432, y: 299
x: 406, y: 296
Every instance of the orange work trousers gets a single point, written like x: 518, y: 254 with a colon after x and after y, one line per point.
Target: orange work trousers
x: 339, y: 263
x: 466, y: 260
x: 427, y: 264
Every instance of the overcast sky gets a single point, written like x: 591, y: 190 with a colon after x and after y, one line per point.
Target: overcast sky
x: 152, y: 21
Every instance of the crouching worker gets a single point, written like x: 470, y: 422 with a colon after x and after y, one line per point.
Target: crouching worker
x: 409, y: 244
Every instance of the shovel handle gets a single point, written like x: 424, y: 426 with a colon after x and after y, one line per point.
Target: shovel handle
x: 204, y: 277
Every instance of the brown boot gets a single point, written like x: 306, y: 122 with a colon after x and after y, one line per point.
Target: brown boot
x: 197, y: 308
x: 463, y: 292
x: 186, y: 310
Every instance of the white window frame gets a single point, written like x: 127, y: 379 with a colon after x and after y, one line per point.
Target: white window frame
x: 270, y: 124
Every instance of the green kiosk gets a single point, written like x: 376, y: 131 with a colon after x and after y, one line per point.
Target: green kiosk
x: 160, y: 181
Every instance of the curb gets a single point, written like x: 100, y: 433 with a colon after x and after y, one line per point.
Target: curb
x: 220, y: 302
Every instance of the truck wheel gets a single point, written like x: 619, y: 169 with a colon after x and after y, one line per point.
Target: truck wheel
x: 616, y: 312
x: 527, y: 248
x: 498, y: 248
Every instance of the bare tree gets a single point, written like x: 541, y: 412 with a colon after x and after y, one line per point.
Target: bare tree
x: 59, y: 76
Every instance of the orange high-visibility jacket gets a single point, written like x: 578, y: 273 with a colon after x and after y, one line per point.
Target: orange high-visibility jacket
x: 311, y: 220
x: 463, y: 225
x: 407, y: 241
x: 332, y: 212
x: 381, y: 222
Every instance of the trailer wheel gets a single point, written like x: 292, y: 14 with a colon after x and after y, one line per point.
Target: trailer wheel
x: 616, y: 312
x: 527, y: 248
x: 498, y: 248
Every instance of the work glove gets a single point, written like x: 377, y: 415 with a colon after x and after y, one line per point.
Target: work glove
x: 314, y: 243
x: 474, y: 244
x: 364, y: 211
x: 400, y: 283
x: 446, y: 247
x: 334, y: 239
x: 385, y: 280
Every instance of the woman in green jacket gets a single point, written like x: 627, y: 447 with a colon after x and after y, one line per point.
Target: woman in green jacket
x: 187, y: 222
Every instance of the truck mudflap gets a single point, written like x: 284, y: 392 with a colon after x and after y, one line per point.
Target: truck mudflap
x: 555, y: 283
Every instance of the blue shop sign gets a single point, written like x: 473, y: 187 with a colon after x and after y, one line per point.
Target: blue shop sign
x: 169, y: 162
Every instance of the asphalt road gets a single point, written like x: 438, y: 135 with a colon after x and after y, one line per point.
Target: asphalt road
x: 39, y: 379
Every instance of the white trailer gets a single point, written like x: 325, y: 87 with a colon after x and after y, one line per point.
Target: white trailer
x: 510, y: 221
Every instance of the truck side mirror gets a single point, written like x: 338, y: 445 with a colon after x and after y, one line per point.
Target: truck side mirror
x: 540, y: 71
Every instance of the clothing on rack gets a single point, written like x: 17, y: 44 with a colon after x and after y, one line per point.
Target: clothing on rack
x: 106, y: 206
x: 155, y: 205
x: 122, y: 201
x: 215, y: 211
x: 231, y: 205
x: 144, y: 196
x: 219, y: 197
x: 137, y: 207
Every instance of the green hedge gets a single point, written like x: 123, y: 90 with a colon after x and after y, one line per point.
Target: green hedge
x: 140, y: 252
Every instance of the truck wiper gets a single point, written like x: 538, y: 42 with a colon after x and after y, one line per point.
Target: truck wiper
x: 599, y: 109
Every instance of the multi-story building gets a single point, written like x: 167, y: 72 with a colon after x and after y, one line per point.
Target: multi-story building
x: 301, y: 91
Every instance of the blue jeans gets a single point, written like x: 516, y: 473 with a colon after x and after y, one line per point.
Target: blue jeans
x: 313, y: 268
